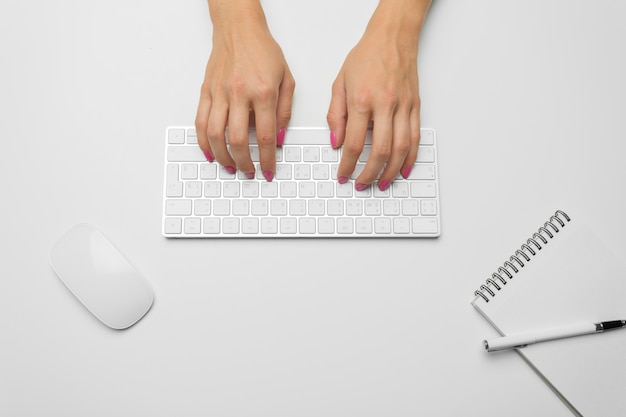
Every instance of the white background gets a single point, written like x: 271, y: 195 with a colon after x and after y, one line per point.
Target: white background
x: 528, y: 100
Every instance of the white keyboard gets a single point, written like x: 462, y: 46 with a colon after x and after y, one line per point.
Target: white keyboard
x: 202, y: 200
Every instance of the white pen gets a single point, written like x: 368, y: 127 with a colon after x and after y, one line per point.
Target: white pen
x: 523, y: 339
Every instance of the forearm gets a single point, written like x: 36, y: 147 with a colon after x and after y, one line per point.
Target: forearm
x: 231, y: 17
x: 400, y: 19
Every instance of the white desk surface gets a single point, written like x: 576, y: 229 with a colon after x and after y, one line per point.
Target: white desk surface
x: 528, y: 102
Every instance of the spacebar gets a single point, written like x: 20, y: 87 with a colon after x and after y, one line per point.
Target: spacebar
x: 185, y: 154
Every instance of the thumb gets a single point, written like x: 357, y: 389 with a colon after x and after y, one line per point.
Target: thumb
x: 337, y: 113
x: 283, y: 106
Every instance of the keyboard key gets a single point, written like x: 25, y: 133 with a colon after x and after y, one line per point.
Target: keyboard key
x: 260, y: 207
x: 192, y: 225
x: 326, y: 225
x: 185, y: 154
x: 208, y: 171
x: 426, y: 154
x: 428, y: 207
x: 424, y: 225
x: 269, y: 189
x: 173, y: 187
x: 221, y: 207
x: 297, y: 207
x: 382, y: 225
x: 422, y: 189
x: 427, y: 137
x: 288, y: 189
x: 321, y: 172
x: 212, y: 189
x: 288, y: 225
x: 241, y: 207
x: 189, y: 171
x: 354, y: 207
x: 292, y: 153
x: 307, y: 225
x: 422, y: 172
x: 193, y: 189
x: 278, y: 207
x: 250, y: 225
x: 269, y: 225
x: 401, y: 225
x: 363, y: 225
x: 230, y: 225
x: 178, y: 207
x: 173, y: 225
x: 176, y: 136
x: 345, y: 225
x: 311, y: 154
x: 211, y: 225
x: 250, y: 189
x: 202, y: 207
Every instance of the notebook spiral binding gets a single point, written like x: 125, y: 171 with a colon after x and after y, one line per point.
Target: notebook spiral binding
x: 516, y: 261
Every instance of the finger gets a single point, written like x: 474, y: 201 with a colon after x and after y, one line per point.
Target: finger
x: 356, y: 129
x: 216, y: 133
x: 266, y: 139
x: 283, y: 106
x: 238, y: 129
x: 414, y: 137
x: 337, y: 113
x: 202, y: 121
x: 400, y: 145
x: 381, y: 149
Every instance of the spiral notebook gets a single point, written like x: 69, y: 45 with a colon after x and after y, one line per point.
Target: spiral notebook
x: 562, y: 275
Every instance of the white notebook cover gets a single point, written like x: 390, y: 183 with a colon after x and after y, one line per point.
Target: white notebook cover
x: 575, y: 278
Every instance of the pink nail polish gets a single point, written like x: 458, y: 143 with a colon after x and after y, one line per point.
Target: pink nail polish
x: 280, y: 138
x: 208, y: 156
x: 383, y: 185
x: 361, y: 187
x: 407, y: 171
x: 249, y: 175
x: 269, y: 175
x: 333, y: 139
x: 229, y: 169
x: 342, y: 180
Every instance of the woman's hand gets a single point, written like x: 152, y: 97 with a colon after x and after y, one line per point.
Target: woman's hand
x: 378, y: 82
x: 246, y: 77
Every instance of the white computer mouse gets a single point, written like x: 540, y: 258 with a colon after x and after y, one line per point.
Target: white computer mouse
x: 101, y: 277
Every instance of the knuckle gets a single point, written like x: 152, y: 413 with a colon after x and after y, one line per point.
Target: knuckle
x: 389, y: 98
x: 237, y: 140
x: 265, y: 92
x: 284, y: 114
x: 214, y: 133
x: 363, y: 101
x: 402, y: 146
x: 265, y: 140
x: 381, y: 153
x: 352, y: 148
x: 236, y: 86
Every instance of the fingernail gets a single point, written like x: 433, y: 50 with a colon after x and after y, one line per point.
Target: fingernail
x: 208, y: 156
x: 342, y: 180
x: 333, y: 139
x: 361, y: 187
x: 407, y: 171
x: 383, y: 185
x: 269, y: 175
x: 249, y: 175
x: 280, y: 138
x: 229, y: 169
